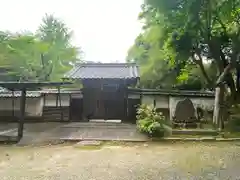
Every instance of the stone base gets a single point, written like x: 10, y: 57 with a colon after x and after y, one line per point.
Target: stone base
x: 88, y: 143
x: 185, y: 125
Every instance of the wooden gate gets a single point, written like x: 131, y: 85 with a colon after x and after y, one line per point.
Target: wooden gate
x: 113, y: 102
x: 104, y: 103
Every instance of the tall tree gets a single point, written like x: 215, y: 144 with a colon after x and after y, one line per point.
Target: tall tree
x: 61, y: 54
x: 148, y: 52
x: 198, y: 29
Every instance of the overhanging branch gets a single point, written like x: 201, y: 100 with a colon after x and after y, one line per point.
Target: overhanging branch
x: 199, y: 62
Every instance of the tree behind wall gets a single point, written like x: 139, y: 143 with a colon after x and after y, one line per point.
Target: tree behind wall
x: 201, y: 28
x: 20, y: 57
x: 157, y: 71
x: 61, y: 55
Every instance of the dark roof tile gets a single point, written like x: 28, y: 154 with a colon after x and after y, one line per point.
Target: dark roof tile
x: 18, y: 94
x: 104, y: 71
x: 62, y: 91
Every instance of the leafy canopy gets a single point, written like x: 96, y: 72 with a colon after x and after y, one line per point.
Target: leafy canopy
x: 45, y: 56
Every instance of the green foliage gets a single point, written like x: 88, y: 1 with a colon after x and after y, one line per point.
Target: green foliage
x: 151, y: 122
x: 61, y: 54
x: 192, y: 24
x: 19, y: 56
x: 200, y: 34
x: 160, y: 65
x: 44, y: 56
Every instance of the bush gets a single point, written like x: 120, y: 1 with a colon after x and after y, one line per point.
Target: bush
x: 151, y: 122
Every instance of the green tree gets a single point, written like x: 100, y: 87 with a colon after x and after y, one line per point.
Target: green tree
x: 44, y: 56
x: 20, y: 57
x: 197, y: 29
x: 148, y: 52
x: 61, y: 54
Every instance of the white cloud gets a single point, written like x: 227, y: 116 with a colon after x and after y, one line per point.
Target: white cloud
x: 104, y: 29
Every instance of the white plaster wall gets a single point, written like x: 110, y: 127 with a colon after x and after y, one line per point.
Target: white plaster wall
x: 133, y: 96
x: 203, y: 102
x: 77, y: 95
x: 51, y: 100
x: 33, y: 105
x: 162, y: 101
x: 148, y: 100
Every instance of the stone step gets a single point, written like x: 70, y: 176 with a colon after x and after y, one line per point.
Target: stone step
x: 54, y: 107
x: 54, y: 112
x: 206, y: 132
x: 100, y: 125
x: 54, y: 118
x: 105, y: 121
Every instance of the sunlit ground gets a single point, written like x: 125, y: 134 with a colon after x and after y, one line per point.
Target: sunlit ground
x: 122, y: 162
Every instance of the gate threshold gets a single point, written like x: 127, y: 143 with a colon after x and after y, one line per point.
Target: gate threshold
x: 106, y: 121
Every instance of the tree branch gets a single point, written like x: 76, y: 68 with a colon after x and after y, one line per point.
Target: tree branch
x: 229, y: 77
x: 223, y: 75
x: 238, y: 80
x: 222, y: 24
x: 200, y: 63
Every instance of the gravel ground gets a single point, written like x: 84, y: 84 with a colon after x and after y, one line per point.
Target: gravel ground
x: 123, y: 162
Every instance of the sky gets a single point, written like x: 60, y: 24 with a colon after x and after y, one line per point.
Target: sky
x: 104, y: 29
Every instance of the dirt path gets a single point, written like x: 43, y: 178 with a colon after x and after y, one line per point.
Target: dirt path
x: 128, y: 162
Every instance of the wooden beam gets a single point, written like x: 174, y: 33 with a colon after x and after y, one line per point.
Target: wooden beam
x: 13, y: 99
x: 69, y: 108
x: 154, y: 101
x: 60, y: 102
x: 22, y: 114
x: 44, y: 100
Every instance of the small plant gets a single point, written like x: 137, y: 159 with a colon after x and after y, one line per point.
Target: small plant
x: 151, y: 122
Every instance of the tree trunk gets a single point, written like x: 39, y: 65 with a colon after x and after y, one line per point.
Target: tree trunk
x: 217, y: 113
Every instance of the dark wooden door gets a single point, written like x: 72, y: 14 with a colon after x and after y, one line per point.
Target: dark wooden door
x: 98, y: 105
x: 76, y: 109
x: 106, y: 102
x: 113, y: 101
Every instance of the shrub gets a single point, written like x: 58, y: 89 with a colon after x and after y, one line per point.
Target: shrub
x: 151, y: 122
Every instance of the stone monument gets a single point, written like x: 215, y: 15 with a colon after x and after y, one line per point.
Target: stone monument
x: 185, y: 114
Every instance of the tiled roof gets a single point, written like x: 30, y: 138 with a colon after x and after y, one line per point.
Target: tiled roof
x: 18, y: 94
x: 7, y: 93
x: 15, y: 85
x: 171, y: 92
x: 62, y: 91
x: 3, y: 89
x: 104, y: 71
